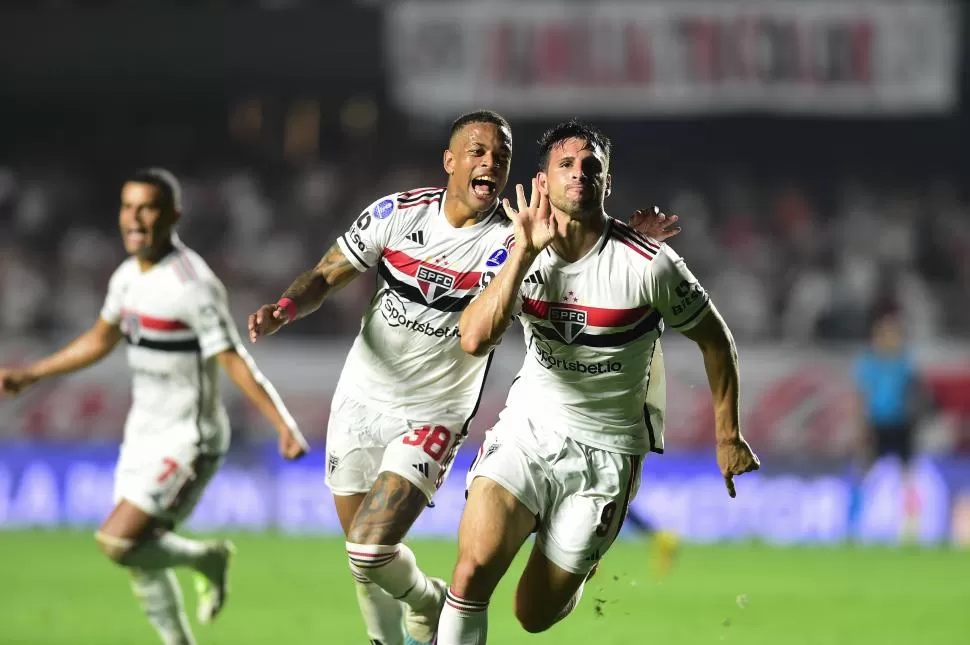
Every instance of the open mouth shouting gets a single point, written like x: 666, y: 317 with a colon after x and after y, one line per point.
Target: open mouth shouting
x: 136, y: 236
x: 484, y: 187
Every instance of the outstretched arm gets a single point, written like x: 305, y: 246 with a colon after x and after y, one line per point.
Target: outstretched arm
x: 240, y: 367
x: 716, y: 343
x: 686, y: 307
x: 333, y: 272
x: 721, y: 364
x: 87, y: 349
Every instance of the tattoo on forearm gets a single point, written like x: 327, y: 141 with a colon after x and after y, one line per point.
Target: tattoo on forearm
x: 302, y: 285
x: 311, y: 287
x: 335, y: 267
x: 388, y: 511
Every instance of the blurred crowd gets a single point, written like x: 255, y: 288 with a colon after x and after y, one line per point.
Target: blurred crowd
x: 782, y: 261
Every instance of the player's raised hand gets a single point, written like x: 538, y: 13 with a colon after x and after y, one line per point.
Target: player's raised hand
x: 655, y: 223
x: 266, y: 321
x: 15, y: 381
x: 292, y: 444
x: 535, y: 227
x: 735, y: 457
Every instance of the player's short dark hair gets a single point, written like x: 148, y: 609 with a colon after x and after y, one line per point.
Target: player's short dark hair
x: 162, y: 179
x: 479, y: 116
x: 573, y: 129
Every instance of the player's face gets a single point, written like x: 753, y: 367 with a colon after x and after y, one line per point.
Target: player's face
x: 477, y: 162
x: 145, y: 223
x: 576, y: 178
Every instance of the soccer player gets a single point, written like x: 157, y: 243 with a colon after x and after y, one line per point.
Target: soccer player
x: 172, y: 311
x: 407, y: 391
x: 565, y: 457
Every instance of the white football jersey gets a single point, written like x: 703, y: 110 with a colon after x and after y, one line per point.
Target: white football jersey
x: 592, y: 329
x: 175, y: 317
x: 407, y: 358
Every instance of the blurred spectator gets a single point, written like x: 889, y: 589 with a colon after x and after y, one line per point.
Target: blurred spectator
x: 797, y: 260
x: 777, y: 266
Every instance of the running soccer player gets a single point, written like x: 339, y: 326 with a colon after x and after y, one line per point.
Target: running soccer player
x: 407, y: 391
x: 172, y: 311
x: 565, y: 457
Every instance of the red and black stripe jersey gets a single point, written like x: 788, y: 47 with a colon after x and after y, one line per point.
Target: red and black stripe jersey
x: 407, y: 358
x: 175, y: 319
x: 592, y: 329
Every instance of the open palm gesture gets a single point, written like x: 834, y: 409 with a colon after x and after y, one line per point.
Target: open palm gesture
x: 535, y: 227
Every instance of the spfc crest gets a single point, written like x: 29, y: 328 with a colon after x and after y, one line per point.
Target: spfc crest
x: 569, y: 323
x: 434, y: 283
x: 131, y: 326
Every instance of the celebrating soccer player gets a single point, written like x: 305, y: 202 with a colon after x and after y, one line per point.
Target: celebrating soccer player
x: 565, y: 457
x: 172, y: 310
x: 407, y: 391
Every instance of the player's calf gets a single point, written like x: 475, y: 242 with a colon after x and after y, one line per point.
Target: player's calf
x: 382, y: 614
x: 377, y: 556
x: 537, y: 617
x: 546, y: 593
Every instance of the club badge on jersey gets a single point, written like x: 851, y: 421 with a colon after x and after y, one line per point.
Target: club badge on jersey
x: 569, y: 323
x: 434, y: 283
x: 131, y: 327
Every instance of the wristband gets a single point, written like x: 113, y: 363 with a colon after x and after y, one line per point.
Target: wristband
x: 288, y: 307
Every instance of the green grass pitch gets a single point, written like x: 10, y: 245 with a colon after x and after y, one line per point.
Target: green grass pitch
x: 56, y: 589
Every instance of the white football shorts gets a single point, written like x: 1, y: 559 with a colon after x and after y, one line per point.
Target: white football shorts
x: 163, y: 478
x: 580, y: 495
x: 362, y: 442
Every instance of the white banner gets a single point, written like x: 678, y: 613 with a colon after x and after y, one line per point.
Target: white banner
x: 553, y: 59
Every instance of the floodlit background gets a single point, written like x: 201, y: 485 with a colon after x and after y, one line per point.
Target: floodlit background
x: 818, y: 154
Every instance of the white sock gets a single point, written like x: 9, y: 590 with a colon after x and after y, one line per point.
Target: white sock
x: 169, y: 550
x: 381, y: 612
x: 463, y: 622
x: 161, y: 598
x: 395, y: 570
x: 571, y: 605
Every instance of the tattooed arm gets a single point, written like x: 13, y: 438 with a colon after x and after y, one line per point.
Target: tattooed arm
x: 332, y: 273
x: 305, y: 295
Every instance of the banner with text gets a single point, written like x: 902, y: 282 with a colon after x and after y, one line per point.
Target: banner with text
x: 551, y: 59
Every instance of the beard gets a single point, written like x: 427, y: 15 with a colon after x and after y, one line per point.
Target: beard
x: 574, y: 208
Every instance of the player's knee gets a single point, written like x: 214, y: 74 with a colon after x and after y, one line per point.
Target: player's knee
x: 114, y: 548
